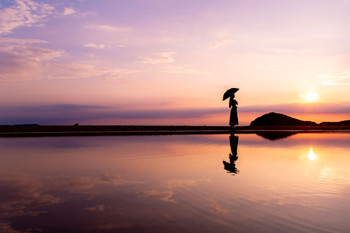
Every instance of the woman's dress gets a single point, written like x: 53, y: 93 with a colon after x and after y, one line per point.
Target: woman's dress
x: 233, y: 115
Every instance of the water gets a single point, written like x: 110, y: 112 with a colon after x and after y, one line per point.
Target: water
x: 175, y: 184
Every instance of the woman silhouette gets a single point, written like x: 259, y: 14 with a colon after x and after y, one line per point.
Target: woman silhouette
x: 233, y: 116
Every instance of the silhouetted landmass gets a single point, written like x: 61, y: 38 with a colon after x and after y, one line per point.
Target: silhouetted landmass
x: 278, y: 119
x: 105, y: 130
x: 340, y: 123
x: 271, y: 132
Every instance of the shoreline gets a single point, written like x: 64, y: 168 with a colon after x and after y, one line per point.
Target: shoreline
x: 130, y: 130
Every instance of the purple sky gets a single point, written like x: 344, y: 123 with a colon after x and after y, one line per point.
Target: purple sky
x: 158, y: 59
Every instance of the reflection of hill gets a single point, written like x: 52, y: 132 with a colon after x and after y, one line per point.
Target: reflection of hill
x: 275, y: 136
x: 276, y: 119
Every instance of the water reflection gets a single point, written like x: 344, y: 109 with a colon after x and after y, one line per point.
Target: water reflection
x: 311, y: 154
x: 231, y: 166
x: 175, y: 184
x: 275, y: 136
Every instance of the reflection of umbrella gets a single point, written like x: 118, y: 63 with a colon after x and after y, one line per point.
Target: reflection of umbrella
x: 229, y: 93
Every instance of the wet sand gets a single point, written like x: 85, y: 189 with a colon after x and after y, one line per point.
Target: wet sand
x: 105, y: 130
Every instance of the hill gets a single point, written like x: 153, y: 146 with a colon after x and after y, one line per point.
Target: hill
x: 341, y: 123
x: 278, y: 119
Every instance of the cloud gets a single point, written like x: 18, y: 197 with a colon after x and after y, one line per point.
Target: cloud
x: 279, y: 50
x: 108, y: 28
x: 221, y: 43
x: 82, y: 184
x: 180, y: 183
x: 69, y: 114
x: 217, y: 209
x: 69, y: 11
x: 8, y: 40
x: 342, y: 79
x: 43, y: 113
x: 158, y: 58
x: 326, y: 108
x: 171, y: 186
x: 21, y: 194
x: 165, y: 196
x: 19, y: 56
x: 24, y: 13
x: 98, y: 208
x: 180, y: 70
x: 81, y: 70
x: 30, y: 53
x: 6, y: 227
x: 95, y: 46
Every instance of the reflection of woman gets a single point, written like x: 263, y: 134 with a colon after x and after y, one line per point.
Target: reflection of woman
x: 233, y: 116
x: 231, y: 166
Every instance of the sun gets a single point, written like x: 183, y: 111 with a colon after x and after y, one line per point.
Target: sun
x: 309, y: 96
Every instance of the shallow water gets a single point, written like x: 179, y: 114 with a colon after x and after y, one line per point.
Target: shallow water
x: 175, y: 184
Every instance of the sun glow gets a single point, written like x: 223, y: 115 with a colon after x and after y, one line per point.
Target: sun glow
x: 309, y: 97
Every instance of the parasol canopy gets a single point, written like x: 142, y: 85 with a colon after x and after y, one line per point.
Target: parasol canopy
x: 229, y: 93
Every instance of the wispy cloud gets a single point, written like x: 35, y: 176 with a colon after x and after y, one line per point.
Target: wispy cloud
x: 94, y: 45
x: 7, y: 40
x: 221, y: 43
x: 108, y: 28
x: 22, y: 59
x: 158, y: 58
x: 81, y: 70
x: 25, y: 193
x: 98, y: 208
x: 180, y: 70
x: 336, y: 79
x: 180, y: 183
x: 218, y: 209
x: 165, y: 196
x: 29, y: 52
x: 69, y: 11
x: 24, y: 13
x: 19, y: 56
x: 279, y: 50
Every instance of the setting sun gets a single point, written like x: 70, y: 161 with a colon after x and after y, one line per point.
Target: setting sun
x: 309, y: 97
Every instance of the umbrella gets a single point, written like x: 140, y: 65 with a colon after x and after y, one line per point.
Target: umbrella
x: 229, y: 93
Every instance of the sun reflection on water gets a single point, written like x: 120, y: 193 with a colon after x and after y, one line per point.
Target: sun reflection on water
x: 311, y: 155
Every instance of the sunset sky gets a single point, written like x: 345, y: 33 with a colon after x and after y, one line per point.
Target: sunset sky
x: 170, y: 61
